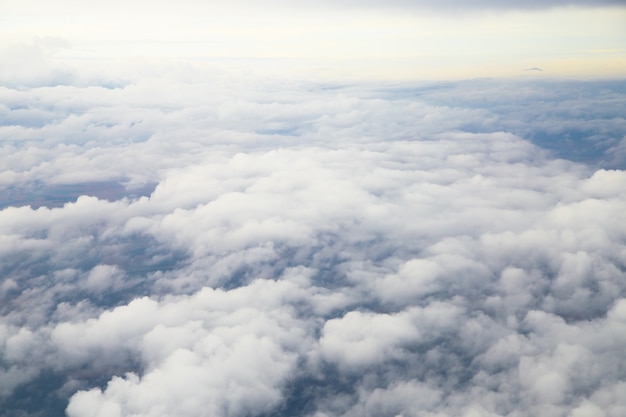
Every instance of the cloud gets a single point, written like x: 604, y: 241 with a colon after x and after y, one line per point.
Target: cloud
x: 308, y: 249
x: 31, y: 64
x: 221, y: 355
x: 447, y: 5
x: 480, y: 4
x: 156, y: 14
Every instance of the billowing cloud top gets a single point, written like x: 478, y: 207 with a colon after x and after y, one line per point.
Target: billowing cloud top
x: 191, y: 244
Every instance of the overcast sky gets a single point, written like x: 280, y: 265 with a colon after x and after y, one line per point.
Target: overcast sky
x: 349, y: 39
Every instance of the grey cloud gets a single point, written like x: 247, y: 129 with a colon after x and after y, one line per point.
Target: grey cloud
x: 463, y: 6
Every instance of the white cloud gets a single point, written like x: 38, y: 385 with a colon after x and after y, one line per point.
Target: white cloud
x: 218, y: 352
x: 309, y: 249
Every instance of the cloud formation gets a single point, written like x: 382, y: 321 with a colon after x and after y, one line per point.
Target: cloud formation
x: 454, y: 5
x: 216, y: 247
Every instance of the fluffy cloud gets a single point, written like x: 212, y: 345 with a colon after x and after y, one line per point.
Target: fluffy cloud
x: 311, y: 250
x: 216, y: 353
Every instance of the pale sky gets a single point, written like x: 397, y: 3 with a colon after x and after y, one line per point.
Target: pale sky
x: 343, y: 39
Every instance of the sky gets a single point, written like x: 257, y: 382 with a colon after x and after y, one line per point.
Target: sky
x: 346, y: 209
x: 327, y: 40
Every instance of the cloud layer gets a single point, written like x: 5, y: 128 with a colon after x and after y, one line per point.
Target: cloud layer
x: 454, y: 5
x: 313, y: 250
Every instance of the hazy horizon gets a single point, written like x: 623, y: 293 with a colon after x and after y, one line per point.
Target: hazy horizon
x: 333, y: 41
